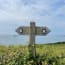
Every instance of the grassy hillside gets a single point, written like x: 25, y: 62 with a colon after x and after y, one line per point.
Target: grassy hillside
x: 53, y: 54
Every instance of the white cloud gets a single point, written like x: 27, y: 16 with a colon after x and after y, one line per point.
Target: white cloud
x: 47, y: 12
x: 32, y: 9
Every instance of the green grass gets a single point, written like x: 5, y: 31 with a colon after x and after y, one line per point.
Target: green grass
x: 53, y: 54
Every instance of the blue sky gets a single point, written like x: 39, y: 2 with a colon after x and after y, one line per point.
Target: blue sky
x: 15, y: 13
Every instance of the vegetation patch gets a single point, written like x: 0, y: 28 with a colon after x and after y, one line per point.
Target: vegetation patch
x: 49, y: 54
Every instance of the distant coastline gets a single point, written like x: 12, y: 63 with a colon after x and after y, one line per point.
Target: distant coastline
x: 17, y: 39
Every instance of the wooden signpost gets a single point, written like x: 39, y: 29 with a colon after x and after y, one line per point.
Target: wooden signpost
x: 32, y: 30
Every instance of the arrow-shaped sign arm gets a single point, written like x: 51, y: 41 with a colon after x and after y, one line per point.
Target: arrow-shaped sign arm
x: 42, y: 31
x: 23, y: 30
x: 19, y: 30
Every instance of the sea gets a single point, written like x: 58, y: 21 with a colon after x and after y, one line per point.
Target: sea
x: 24, y: 40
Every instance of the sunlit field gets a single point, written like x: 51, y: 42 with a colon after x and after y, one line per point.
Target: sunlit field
x: 49, y: 54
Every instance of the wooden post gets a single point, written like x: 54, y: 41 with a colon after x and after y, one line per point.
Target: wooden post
x: 32, y: 39
x: 33, y: 31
